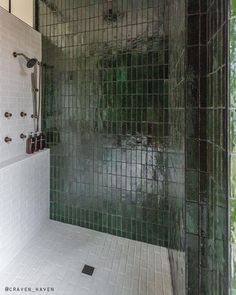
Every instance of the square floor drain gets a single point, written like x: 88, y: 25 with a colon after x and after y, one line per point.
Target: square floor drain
x: 88, y: 270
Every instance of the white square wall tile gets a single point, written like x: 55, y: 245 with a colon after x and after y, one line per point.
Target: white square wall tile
x: 24, y: 202
x: 15, y: 82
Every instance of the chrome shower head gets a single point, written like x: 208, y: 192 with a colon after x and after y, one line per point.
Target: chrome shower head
x: 31, y: 62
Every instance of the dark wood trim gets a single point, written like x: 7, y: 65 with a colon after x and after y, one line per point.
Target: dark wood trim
x: 10, y: 6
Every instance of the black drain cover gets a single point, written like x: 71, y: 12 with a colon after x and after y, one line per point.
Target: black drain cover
x: 88, y: 270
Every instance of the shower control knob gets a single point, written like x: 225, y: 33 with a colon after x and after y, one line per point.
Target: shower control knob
x: 23, y: 114
x: 7, y: 139
x: 23, y: 136
x: 8, y: 115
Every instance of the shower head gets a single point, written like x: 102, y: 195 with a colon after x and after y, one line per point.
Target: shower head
x: 30, y: 62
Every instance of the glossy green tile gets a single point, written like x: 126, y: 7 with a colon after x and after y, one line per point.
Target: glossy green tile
x: 192, y: 185
x: 106, y: 113
x: 115, y: 116
x: 192, y: 218
x: 206, y: 153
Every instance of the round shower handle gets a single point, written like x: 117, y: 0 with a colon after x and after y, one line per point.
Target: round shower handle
x: 7, y: 139
x: 23, y: 114
x: 8, y: 115
x: 23, y: 136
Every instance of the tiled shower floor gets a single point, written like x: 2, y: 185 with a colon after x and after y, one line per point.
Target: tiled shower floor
x: 55, y: 259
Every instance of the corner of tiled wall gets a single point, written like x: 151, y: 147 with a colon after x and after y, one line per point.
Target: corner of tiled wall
x: 206, y: 165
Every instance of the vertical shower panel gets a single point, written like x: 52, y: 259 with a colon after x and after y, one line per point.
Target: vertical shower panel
x: 106, y: 115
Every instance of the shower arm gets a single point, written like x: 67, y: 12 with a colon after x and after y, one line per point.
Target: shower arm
x: 15, y: 54
x: 20, y: 54
x: 31, y: 62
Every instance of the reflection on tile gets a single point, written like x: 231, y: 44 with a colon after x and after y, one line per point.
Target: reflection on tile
x: 117, y: 149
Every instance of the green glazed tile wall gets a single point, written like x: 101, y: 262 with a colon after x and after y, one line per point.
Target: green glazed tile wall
x: 232, y: 113
x: 138, y: 144
x: 176, y: 159
x: 206, y: 149
x: 214, y: 229
x: 196, y: 92
x: 106, y: 112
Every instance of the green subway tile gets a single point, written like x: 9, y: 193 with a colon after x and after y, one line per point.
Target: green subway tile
x: 114, y: 115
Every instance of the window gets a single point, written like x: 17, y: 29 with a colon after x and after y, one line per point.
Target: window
x: 5, y: 4
x: 24, y: 10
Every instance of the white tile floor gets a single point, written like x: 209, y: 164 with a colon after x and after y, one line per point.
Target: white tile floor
x: 55, y: 259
